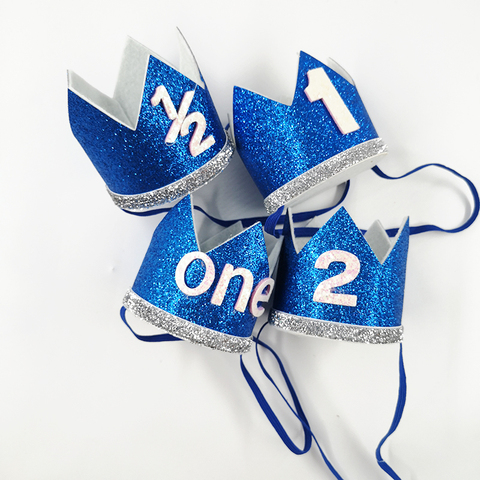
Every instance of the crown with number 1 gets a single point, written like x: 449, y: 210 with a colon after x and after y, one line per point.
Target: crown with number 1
x: 322, y: 139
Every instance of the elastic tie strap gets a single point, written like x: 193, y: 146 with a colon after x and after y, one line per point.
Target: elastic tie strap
x: 402, y: 397
x: 163, y: 337
x: 427, y: 228
x: 277, y: 217
x: 297, y: 411
x: 269, y: 222
x: 416, y: 229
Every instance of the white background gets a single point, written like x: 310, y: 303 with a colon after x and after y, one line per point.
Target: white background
x: 81, y: 398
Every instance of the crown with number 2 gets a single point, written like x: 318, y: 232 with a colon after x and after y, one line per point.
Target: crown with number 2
x: 343, y: 285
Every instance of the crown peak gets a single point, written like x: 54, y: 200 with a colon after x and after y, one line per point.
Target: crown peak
x: 125, y: 104
x: 340, y: 232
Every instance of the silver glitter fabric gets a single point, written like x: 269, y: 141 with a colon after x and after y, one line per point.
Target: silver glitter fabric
x: 324, y: 171
x: 188, y: 184
x: 184, y: 329
x: 335, y: 330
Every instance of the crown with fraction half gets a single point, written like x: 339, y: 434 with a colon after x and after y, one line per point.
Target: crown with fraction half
x: 343, y: 285
x: 209, y: 296
x: 158, y: 138
x: 323, y: 138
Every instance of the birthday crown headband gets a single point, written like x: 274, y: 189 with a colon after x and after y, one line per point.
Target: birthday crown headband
x: 159, y: 137
x: 343, y: 285
x: 209, y: 296
x: 339, y: 285
x: 322, y: 139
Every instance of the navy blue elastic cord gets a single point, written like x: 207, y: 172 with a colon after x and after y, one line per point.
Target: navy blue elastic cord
x: 163, y: 337
x: 272, y: 221
x: 148, y: 213
x: 402, y: 397
x: 246, y: 222
x: 415, y: 230
x: 427, y: 228
x: 297, y: 411
x: 302, y: 216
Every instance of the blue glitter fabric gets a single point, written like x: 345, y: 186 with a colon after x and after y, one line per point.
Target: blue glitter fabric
x: 379, y: 287
x: 279, y: 142
x: 138, y: 161
x: 175, y: 237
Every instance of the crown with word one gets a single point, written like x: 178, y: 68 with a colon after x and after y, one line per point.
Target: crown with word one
x: 208, y: 296
x: 343, y: 285
x: 158, y: 138
x: 322, y: 139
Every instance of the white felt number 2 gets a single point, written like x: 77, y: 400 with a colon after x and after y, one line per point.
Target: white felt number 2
x: 321, y: 88
x: 323, y: 293
x: 181, y: 121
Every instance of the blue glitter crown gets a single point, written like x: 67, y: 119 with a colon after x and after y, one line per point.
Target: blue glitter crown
x: 323, y: 138
x: 199, y: 293
x: 343, y: 285
x: 142, y: 141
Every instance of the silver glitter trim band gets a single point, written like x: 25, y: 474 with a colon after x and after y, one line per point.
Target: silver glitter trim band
x: 323, y: 171
x: 184, y: 329
x: 335, y: 330
x: 169, y: 193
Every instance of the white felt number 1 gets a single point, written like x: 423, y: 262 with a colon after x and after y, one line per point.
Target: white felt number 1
x: 323, y: 293
x: 321, y: 88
